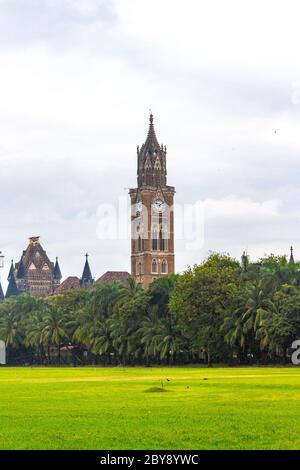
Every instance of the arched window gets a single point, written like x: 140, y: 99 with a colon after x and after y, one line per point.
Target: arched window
x: 148, y: 171
x: 154, y: 238
x: 139, y: 268
x: 164, y: 267
x: 163, y: 234
x: 154, y: 266
x: 157, y: 169
x: 139, y: 243
x: 148, y: 178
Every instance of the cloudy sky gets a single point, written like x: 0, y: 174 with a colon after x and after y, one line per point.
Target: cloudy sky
x: 77, y: 80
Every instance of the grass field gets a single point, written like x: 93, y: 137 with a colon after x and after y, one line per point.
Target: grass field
x: 98, y: 408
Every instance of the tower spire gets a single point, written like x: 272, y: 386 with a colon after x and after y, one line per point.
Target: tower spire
x: 57, y: 272
x: 151, y: 143
x: 292, y: 261
x: 11, y: 271
x: 12, y: 288
x: 87, y: 278
x: 152, y: 160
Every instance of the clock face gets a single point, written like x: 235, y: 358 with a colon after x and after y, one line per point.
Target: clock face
x: 159, y: 205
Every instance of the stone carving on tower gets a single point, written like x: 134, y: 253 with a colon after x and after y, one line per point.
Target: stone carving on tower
x: 152, y: 215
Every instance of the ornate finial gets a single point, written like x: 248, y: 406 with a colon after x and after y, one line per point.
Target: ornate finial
x: 86, y: 255
x: 151, y: 117
x: 34, y: 240
x: 57, y: 258
x: 292, y: 249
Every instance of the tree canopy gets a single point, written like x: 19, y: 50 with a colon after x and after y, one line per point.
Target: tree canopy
x: 222, y: 310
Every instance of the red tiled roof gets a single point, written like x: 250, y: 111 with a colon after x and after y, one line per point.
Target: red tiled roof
x: 114, y: 276
x: 71, y: 283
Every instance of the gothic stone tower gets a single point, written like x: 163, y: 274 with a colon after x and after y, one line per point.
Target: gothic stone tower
x: 152, y: 216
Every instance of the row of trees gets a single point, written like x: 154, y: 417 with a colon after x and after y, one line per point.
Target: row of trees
x: 221, y: 311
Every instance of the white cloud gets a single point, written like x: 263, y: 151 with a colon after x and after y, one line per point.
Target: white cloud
x: 77, y: 80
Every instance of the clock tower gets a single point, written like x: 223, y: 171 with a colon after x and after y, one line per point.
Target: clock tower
x: 152, y: 214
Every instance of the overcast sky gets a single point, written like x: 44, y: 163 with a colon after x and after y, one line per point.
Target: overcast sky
x: 77, y: 80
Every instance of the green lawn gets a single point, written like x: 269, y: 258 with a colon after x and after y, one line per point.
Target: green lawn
x: 108, y: 408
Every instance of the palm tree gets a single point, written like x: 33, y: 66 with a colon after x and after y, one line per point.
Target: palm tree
x: 34, y: 332
x: 276, y: 331
x: 241, y: 327
x: 124, y: 339
x: 256, y: 306
x: 100, y: 339
x: 89, y: 325
x: 130, y: 290
x: 148, y: 333
x: 54, y: 329
x: 160, y: 292
x: 9, y: 329
x: 80, y: 324
x: 234, y: 332
x: 104, y: 299
x: 159, y: 336
x: 277, y: 271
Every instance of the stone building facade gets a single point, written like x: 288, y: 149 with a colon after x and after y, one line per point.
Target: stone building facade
x: 152, y: 214
x: 34, y: 274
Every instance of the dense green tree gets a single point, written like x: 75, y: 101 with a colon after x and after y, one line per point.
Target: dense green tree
x: 124, y: 326
x: 10, y: 323
x: 161, y: 336
x: 54, y: 326
x: 221, y: 310
x: 200, y: 301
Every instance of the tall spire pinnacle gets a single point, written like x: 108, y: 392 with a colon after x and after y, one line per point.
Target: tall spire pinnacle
x: 292, y: 261
x: 12, y: 288
x: 87, y: 278
x: 11, y: 271
x: 151, y: 144
x: 57, y: 272
x: 152, y: 160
